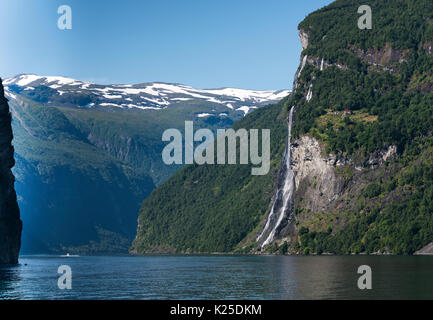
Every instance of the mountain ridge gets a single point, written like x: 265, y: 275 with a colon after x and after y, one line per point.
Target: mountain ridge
x: 144, y: 96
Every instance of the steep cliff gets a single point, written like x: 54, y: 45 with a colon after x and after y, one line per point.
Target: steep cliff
x: 362, y: 145
x: 10, y: 223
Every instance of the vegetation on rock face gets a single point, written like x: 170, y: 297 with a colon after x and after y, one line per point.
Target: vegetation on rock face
x: 396, y: 97
x: 393, y: 216
x: 369, y: 105
x: 333, y: 30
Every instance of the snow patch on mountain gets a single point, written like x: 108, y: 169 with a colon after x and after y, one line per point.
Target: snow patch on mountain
x: 145, y: 96
x: 245, y: 109
x: 202, y: 115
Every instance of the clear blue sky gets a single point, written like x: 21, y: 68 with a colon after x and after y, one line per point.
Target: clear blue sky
x: 250, y: 44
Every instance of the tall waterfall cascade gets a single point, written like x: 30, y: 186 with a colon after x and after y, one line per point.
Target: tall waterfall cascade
x: 283, y: 201
x: 282, y: 205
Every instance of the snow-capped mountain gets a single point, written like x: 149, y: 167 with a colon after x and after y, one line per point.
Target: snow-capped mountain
x: 67, y: 92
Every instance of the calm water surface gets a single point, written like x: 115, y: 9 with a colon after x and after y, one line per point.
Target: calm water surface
x: 218, y: 277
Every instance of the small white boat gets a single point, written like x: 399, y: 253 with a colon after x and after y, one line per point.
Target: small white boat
x: 69, y: 255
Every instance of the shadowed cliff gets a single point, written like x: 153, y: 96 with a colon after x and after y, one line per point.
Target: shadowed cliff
x: 10, y: 223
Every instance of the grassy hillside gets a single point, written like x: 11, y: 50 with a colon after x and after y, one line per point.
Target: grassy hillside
x: 212, y: 208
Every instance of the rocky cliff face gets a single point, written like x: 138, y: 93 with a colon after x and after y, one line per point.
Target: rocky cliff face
x: 321, y: 178
x: 325, y: 183
x: 304, y: 38
x: 10, y: 223
x: 315, y: 174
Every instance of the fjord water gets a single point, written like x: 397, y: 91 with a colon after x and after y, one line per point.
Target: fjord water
x: 218, y: 277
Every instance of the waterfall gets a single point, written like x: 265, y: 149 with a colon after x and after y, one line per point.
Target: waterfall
x: 283, y: 200
x: 309, y: 93
x: 304, y: 61
x: 298, y: 73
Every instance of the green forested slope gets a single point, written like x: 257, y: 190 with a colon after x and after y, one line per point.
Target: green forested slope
x: 211, y: 208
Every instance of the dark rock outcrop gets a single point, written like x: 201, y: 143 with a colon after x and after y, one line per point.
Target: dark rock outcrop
x: 10, y: 223
x: 382, y: 56
x: 386, y: 59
